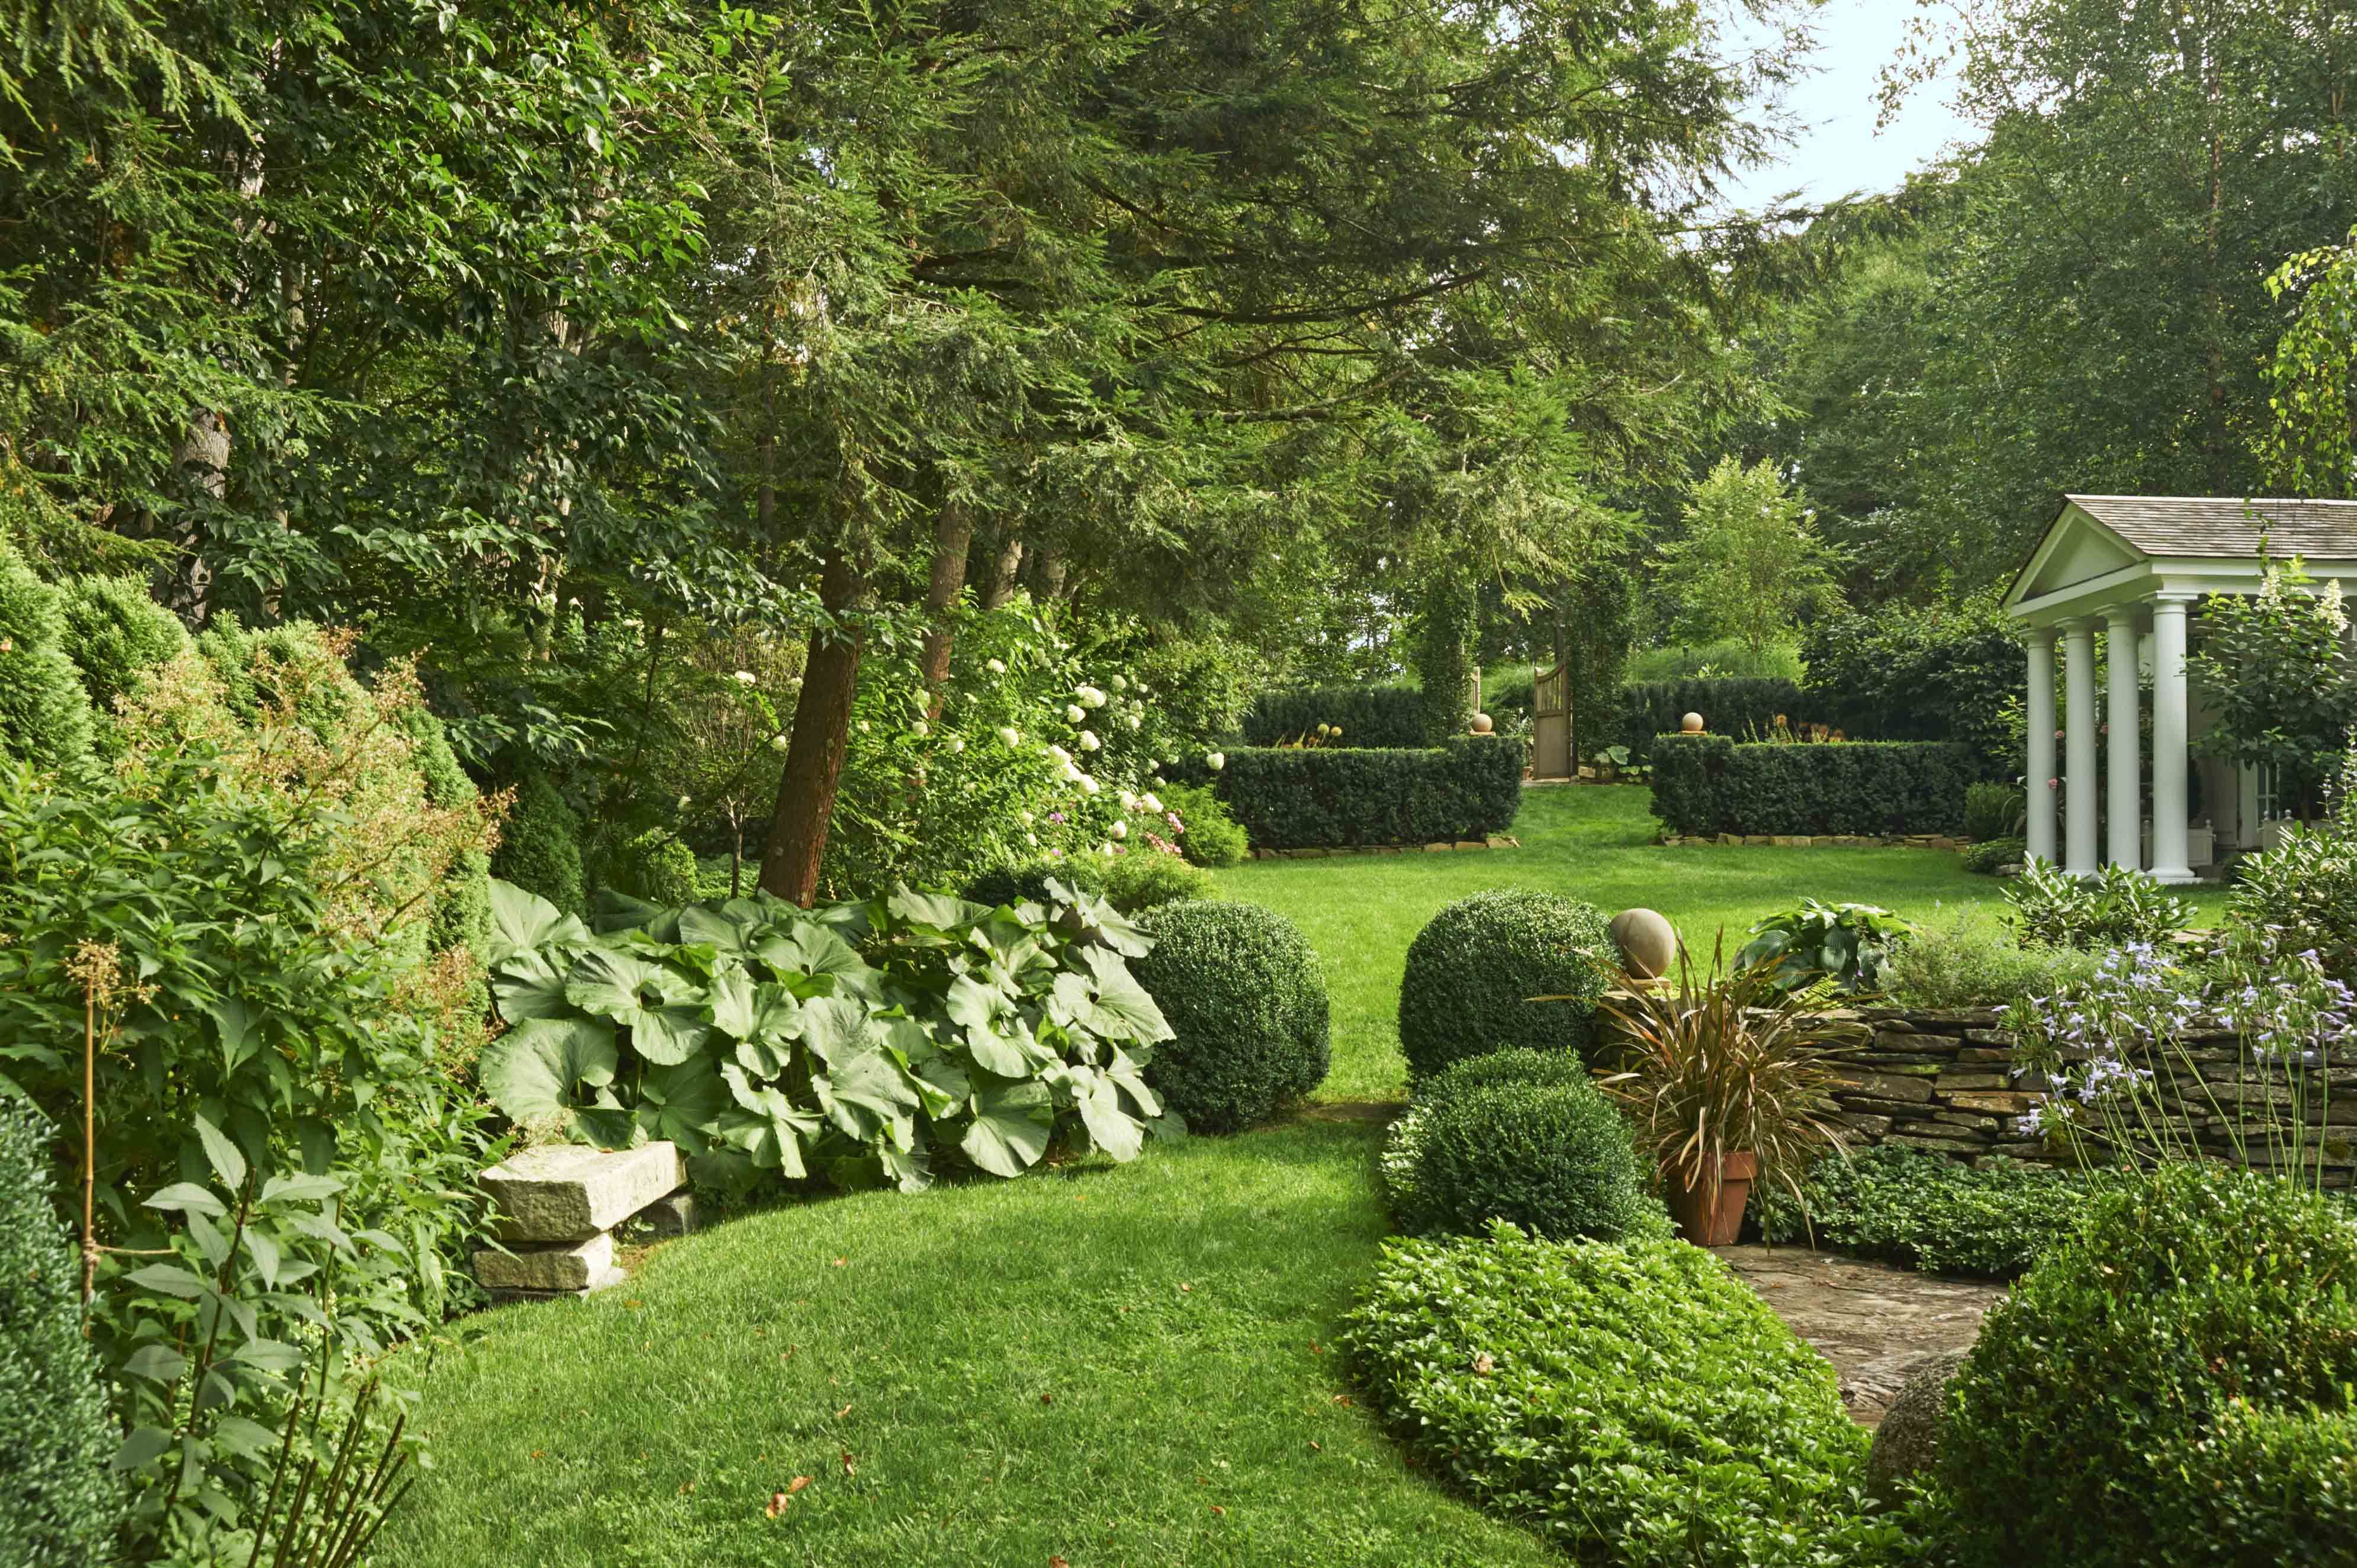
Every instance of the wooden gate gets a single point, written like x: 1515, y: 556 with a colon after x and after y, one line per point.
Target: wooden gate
x: 1551, y: 723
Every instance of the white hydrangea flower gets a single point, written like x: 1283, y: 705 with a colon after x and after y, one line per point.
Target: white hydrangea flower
x: 1152, y: 802
x: 1120, y: 829
x: 1031, y: 838
x: 1121, y: 682
x: 1135, y: 720
x: 1060, y: 755
x: 1107, y: 851
x: 864, y: 726
x: 1089, y: 784
x: 2336, y: 614
x: 1129, y: 800
x: 1009, y: 735
x: 957, y: 744
x: 1074, y: 713
x: 1028, y: 818
x: 1092, y: 698
x: 1215, y: 760
x: 684, y: 803
x: 779, y: 742
x: 922, y: 729
x: 747, y: 677
x: 1089, y: 741
x: 996, y: 666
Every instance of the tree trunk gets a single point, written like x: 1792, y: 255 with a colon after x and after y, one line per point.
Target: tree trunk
x: 1053, y: 569
x: 953, y: 537
x: 822, y: 733
x: 204, y: 455
x: 1003, y: 575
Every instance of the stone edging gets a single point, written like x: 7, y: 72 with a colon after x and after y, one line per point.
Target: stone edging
x: 1818, y: 841
x: 1496, y: 841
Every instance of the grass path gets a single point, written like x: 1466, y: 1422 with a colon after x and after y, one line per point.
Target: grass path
x: 1102, y: 1365
x: 1106, y: 1366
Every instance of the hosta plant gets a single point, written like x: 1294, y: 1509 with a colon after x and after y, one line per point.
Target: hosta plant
x: 1843, y: 945
x: 875, y: 1043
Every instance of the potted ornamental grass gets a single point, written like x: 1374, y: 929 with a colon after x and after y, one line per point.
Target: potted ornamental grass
x: 1723, y: 1074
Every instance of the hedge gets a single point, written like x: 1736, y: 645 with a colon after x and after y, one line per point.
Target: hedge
x: 1737, y: 709
x: 1707, y: 784
x: 1333, y: 797
x: 1373, y: 716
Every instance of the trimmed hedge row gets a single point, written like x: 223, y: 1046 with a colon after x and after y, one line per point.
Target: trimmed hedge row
x: 1375, y: 716
x: 1705, y: 784
x: 1332, y: 798
x: 1735, y: 708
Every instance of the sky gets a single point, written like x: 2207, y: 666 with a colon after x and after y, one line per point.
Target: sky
x: 1838, y: 149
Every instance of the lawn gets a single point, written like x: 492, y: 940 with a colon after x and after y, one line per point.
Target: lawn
x: 1361, y: 911
x: 1099, y: 1365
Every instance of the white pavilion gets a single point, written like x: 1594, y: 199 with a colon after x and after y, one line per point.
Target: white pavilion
x: 2133, y: 566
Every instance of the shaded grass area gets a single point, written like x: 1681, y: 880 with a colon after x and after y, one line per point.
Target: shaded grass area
x: 1108, y: 1365
x: 1361, y: 911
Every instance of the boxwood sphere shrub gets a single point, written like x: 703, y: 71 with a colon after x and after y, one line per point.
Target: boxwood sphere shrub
x: 2202, y: 1309
x: 1470, y: 968
x: 1519, y: 1065
x: 1145, y: 878
x: 540, y: 847
x: 1552, y: 1158
x: 58, y: 1504
x: 1635, y: 1401
x: 1246, y: 997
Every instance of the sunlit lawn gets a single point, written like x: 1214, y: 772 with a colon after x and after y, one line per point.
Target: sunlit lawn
x: 1361, y: 911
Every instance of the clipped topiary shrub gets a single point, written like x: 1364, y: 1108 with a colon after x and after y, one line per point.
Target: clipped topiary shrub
x: 1552, y: 1157
x: 115, y: 633
x: 1472, y: 967
x: 2205, y: 1324
x: 653, y: 866
x: 540, y: 847
x: 58, y: 1501
x: 1634, y: 1401
x: 44, y: 713
x: 1245, y: 994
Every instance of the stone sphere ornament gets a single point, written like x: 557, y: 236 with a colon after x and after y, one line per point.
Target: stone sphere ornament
x: 1482, y: 723
x: 1691, y: 724
x: 1648, y: 943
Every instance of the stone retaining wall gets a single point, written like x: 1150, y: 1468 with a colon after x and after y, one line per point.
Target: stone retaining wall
x: 1819, y: 841
x: 1944, y: 1082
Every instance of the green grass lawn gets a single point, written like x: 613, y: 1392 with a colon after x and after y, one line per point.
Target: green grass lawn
x: 1102, y: 1365
x: 1361, y: 911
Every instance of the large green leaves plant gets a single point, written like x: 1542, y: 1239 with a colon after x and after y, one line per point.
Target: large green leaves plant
x: 864, y: 1044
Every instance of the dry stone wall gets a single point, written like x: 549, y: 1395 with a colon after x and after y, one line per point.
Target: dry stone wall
x: 1944, y: 1081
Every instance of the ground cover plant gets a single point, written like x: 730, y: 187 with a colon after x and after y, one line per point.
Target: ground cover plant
x: 1635, y: 1402
x: 1925, y: 1211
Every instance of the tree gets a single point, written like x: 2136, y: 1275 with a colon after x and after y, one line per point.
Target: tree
x: 1750, y: 562
x: 2309, y: 446
x: 2275, y: 669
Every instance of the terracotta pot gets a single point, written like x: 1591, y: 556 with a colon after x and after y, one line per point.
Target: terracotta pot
x: 1708, y: 1224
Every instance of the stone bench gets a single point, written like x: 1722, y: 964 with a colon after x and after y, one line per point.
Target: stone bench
x: 559, y: 1206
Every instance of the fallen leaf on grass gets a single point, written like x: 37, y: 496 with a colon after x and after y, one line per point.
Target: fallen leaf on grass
x: 842, y: 1263
x: 777, y: 1501
x: 848, y: 1467
x: 1218, y: 1509
x: 843, y: 1411
x: 1046, y: 1399
x: 1342, y: 1398
x: 1316, y: 1447
x: 1057, y: 1563
x: 1184, y: 1286
x: 685, y: 1487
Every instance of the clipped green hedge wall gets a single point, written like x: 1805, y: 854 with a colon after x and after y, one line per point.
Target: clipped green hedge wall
x: 1330, y: 798
x: 1375, y: 716
x: 1707, y: 784
x: 1737, y: 709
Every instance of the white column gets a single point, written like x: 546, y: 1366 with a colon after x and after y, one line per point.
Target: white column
x: 2124, y: 763
x: 2079, y: 747
x: 2168, y: 738
x: 2039, y: 784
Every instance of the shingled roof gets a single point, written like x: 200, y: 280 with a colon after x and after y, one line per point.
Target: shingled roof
x: 2222, y: 526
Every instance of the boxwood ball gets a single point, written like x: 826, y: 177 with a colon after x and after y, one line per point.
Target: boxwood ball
x: 1473, y: 969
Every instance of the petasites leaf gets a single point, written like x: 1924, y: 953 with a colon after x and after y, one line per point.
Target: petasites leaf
x: 867, y: 1093
x: 529, y: 984
x: 1124, y: 1011
x: 1012, y: 1123
x: 523, y: 919
x: 1114, y: 1129
x: 549, y: 1067
x: 610, y: 982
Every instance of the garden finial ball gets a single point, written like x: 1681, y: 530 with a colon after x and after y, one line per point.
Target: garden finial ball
x: 1691, y: 724
x: 1648, y: 943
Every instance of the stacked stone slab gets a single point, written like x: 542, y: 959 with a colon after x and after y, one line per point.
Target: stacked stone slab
x: 559, y: 1206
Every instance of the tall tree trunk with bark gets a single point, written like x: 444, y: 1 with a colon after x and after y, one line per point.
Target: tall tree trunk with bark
x: 822, y: 735
x: 953, y: 538
x: 1005, y: 573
